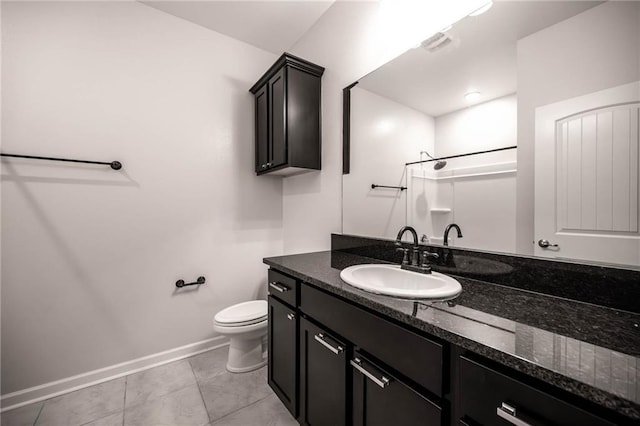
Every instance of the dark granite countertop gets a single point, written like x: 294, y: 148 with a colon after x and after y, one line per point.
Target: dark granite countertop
x: 588, y: 350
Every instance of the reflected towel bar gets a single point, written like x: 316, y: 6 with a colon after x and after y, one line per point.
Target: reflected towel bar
x: 401, y: 188
x: 462, y: 155
x: 115, y: 165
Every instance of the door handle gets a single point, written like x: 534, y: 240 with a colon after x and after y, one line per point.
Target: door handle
x: 291, y: 317
x: 383, y: 382
x: 278, y: 287
x: 546, y: 244
x: 320, y: 338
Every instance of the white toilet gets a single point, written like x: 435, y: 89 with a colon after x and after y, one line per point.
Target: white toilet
x: 246, y: 325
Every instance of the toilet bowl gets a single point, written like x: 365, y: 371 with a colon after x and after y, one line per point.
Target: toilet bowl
x: 246, y: 326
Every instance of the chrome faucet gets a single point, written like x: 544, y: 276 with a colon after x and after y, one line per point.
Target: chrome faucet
x: 423, y: 266
x: 446, y: 232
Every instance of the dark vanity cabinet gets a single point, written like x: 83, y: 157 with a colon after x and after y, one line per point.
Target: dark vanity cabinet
x: 287, y: 117
x: 333, y: 362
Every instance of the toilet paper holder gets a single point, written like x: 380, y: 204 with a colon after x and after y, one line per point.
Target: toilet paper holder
x: 199, y: 281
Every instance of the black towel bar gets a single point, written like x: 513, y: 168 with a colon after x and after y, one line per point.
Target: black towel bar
x: 115, y: 165
x: 181, y: 283
x: 401, y: 188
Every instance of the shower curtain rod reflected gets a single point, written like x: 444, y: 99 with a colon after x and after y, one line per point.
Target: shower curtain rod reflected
x: 461, y: 155
x: 115, y: 165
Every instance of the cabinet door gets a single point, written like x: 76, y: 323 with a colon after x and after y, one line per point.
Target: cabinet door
x: 262, y: 129
x: 283, y: 350
x: 323, y: 377
x: 278, y: 119
x: 489, y: 397
x: 381, y: 399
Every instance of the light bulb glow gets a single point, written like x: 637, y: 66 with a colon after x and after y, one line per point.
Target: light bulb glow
x: 472, y: 96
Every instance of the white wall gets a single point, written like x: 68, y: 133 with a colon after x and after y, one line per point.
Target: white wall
x: 89, y: 255
x: 483, y: 206
x: 594, y: 50
x: 384, y: 136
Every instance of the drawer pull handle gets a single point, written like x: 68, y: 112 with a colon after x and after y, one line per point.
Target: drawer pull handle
x: 320, y: 338
x: 278, y: 287
x: 383, y: 382
x: 291, y: 317
x: 508, y: 413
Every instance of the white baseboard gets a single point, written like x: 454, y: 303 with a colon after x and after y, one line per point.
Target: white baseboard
x: 70, y: 384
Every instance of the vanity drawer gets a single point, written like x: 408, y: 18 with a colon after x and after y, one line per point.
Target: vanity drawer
x: 410, y: 354
x: 488, y: 397
x: 283, y: 287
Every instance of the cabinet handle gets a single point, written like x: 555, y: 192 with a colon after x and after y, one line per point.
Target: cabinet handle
x: 508, y: 413
x: 291, y: 316
x: 278, y: 287
x: 383, y: 382
x: 264, y: 166
x: 320, y: 338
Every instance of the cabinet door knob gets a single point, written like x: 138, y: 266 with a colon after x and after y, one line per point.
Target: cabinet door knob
x: 264, y: 166
x: 291, y: 317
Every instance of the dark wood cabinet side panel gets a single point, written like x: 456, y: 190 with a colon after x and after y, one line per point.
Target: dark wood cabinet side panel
x: 412, y: 355
x: 283, y: 353
x: 262, y: 129
x: 278, y: 120
x: 303, y: 119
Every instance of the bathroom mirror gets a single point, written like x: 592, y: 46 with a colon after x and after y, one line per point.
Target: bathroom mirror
x: 559, y: 81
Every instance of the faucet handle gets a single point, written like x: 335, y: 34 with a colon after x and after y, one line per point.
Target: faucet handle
x: 427, y: 255
x: 405, y: 259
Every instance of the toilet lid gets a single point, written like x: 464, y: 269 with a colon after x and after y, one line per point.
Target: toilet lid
x: 246, y: 312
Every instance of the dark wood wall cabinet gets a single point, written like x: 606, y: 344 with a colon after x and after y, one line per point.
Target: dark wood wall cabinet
x: 334, y: 363
x: 288, y: 124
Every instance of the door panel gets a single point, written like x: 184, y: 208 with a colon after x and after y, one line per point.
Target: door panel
x: 323, y: 377
x: 278, y: 103
x: 262, y: 129
x: 283, y: 350
x: 586, y: 177
x: 380, y: 399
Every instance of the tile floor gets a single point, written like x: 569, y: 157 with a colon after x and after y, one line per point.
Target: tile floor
x: 194, y: 391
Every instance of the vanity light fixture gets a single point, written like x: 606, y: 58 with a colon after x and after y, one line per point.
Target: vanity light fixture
x: 482, y: 9
x: 472, y: 96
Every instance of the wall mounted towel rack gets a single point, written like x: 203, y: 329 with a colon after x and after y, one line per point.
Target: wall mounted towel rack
x: 115, y: 165
x: 199, y: 281
x: 401, y: 188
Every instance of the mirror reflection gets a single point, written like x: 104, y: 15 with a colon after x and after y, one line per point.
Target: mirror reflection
x: 519, y: 125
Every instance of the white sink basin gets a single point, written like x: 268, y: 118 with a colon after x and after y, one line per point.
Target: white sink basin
x: 390, y: 280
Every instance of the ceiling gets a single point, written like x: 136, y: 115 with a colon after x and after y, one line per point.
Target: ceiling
x: 481, y: 56
x: 274, y: 26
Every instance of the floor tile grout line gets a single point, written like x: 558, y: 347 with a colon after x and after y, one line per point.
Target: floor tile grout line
x: 199, y: 390
x: 39, y: 412
x: 239, y: 409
